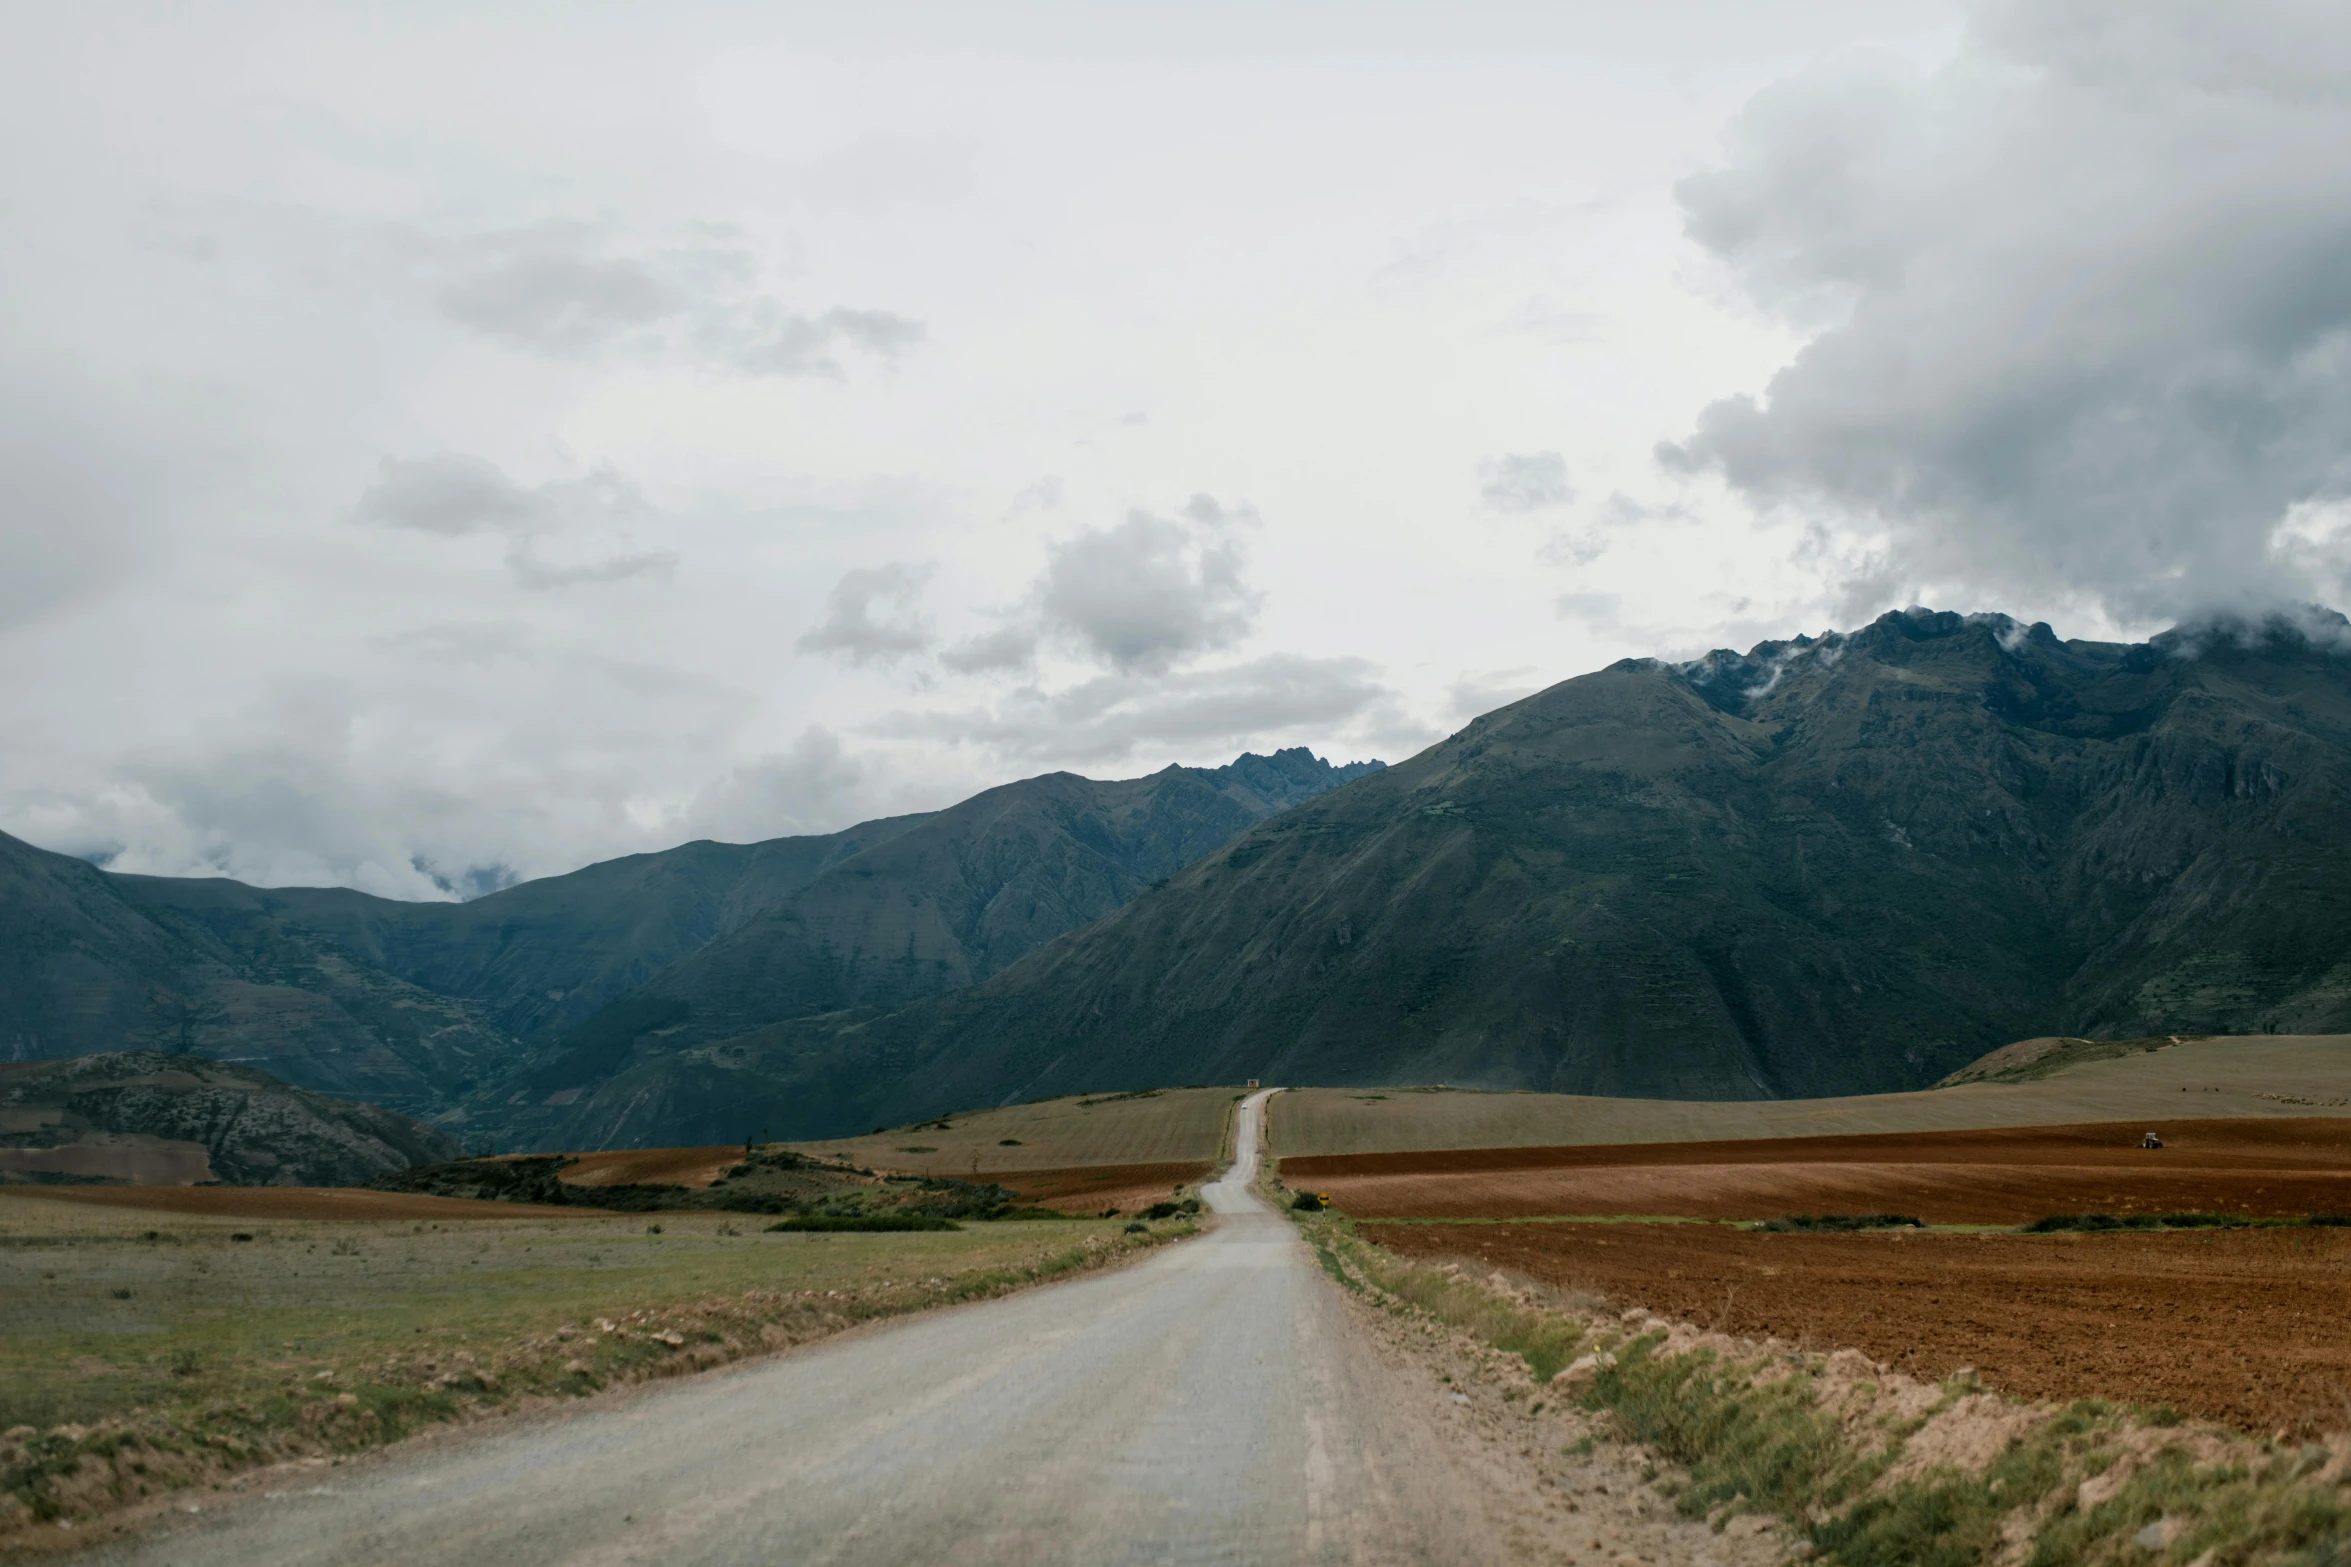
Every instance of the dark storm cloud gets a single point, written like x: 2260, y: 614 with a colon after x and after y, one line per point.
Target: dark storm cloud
x: 1525, y: 481
x: 870, y: 617
x: 1150, y: 592
x: 2083, y: 302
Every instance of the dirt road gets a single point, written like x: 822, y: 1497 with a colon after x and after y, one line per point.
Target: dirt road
x: 1211, y: 1404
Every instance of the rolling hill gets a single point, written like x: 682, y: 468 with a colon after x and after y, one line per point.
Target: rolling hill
x: 1822, y: 867
x: 151, y: 1118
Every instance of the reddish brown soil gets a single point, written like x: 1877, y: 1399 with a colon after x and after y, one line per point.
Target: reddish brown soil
x: 282, y: 1202
x: 650, y: 1166
x: 2252, y: 1327
x: 1090, y: 1188
x: 2008, y: 1176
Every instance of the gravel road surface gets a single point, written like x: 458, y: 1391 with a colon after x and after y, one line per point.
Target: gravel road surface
x: 1213, y: 1403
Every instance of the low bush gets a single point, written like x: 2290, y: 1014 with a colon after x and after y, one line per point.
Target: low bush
x: 1841, y: 1223
x: 2066, y: 1223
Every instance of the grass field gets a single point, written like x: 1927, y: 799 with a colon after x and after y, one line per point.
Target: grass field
x: 1161, y: 1126
x: 2262, y: 1075
x: 206, y: 1341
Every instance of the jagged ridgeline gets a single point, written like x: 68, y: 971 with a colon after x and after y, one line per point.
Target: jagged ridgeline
x: 1830, y: 866
x: 1822, y: 866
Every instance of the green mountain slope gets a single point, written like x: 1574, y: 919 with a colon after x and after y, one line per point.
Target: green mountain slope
x: 533, y: 959
x: 938, y: 907
x: 417, y: 1005
x: 1817, y: 868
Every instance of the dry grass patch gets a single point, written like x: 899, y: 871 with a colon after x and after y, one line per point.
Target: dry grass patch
x: 2260, y: 1075
x: 149, y: 1351
x: 1151, y: 1127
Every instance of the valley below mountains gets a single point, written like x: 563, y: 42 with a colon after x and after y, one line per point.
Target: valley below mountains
x: 1823, y: 866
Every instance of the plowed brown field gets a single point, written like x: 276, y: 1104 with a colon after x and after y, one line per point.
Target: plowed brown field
x: 2007, y: 1176
x: 2251, y: 1327
x: 652, y: 1166
x: 1090, y: 1188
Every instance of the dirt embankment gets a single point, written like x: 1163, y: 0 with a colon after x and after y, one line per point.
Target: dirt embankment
x: 691, y: 1167
x: 1095, y: 1187
x: 2244, y: 1326
x: 2269, y: 1168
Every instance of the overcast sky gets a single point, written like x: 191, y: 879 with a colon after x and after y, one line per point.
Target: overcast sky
x: 441, y: 444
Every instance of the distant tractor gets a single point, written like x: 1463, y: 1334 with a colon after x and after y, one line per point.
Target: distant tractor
x: 2150, y: 1141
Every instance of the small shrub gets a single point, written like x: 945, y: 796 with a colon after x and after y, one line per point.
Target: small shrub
x: 1843, y: 1223
x: 120, y: 1294
x: 1310, y: 1202
x: 1138, y: 1228
x: 2092, y: 1223
x: 1008, y: 1142
x: 652, y: 1229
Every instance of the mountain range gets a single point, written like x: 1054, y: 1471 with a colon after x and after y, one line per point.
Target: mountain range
x: 1835, y: 865
x: 420, y: 1005
x: 1826, y: 865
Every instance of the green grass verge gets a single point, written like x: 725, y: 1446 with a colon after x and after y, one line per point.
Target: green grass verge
x: 860, y: 1223
x: 147, y: 1353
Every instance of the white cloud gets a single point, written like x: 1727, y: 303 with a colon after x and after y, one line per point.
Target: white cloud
x: 1204, y: 711
x: 871, y: 616
x: 810, y: 787
x: 1525, y: 481
x: 1150, y: 592
x: 455, y: 494
x: 560, y: 290
x: 1006, y: 648
x: 2080, y: 308
x: 449, y: 494
x: 672, y: 324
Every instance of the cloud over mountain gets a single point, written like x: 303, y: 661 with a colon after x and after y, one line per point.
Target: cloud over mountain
x: 2081, y: 308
